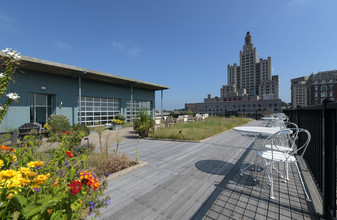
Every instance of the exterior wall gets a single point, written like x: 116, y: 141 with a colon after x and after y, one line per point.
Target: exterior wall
x: 321, y: 86
x: 242, y: 107
x: 299, y: 92
x: 65, y: 90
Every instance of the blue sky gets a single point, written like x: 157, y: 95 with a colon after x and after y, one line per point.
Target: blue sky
x: 184, y: 44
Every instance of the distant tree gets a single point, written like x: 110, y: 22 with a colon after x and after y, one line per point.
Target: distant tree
x: 285, y: 105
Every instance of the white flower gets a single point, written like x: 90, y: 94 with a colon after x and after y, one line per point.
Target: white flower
x: 12, y: 53
x: 1, y: 108
x: 2, y: 75
x: 6, y: 51
x: 17, y: 56
x: 13, y: 96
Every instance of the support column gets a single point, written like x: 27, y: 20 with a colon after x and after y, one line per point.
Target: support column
x: 161, y: 109
x: 131, y: 108
x: 79, y: 99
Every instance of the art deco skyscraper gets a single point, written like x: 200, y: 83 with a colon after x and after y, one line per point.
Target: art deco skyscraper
x: 252, y: 77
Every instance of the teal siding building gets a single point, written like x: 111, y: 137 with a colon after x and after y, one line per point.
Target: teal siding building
x: 85, y: 96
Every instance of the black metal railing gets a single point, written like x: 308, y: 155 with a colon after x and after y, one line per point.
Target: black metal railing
x: 320, y: 157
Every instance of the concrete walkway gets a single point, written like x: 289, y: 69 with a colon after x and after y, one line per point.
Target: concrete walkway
x: 185, y: 180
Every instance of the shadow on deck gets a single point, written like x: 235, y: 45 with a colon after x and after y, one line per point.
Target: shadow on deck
x: 185, y: 180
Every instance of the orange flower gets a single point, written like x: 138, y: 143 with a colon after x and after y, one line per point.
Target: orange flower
x: 3, y: 147
x: 89, y: 179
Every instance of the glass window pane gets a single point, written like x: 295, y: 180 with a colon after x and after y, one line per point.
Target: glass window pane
x: 41, y: 115
x: 41, y: 99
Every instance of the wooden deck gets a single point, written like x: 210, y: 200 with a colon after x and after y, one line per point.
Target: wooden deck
x: 185, y: 180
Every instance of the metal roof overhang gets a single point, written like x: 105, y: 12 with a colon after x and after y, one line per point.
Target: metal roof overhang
x: 34, y: 64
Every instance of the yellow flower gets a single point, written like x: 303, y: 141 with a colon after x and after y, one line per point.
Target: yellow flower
x: 35, y: 164
x: 10, y: 195
x: 14, y: 182
x: 2, y: 163
x: 40, y: 179
x: 31, y: 174
x: 25, y: 182
x: 46, y: 126
x: 13, y: 159
x: 25, y: 171
x: 56, y: 183
x: 7, y: 174
x: 49, y: 211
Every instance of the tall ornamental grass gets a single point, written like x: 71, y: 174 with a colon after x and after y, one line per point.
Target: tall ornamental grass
x: 199, y: 130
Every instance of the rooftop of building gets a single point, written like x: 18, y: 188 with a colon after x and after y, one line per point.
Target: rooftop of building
x: 34, y: 64
x: 324, y: 74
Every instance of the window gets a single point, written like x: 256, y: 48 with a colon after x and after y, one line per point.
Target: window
x: 316, y: 88
x: 323, y: 94
x: 137, y: 106
x: 331, y: 94
x: 316, y: 94
x: 331, y: 87
x: 41, y: 107
x: 98, y: 111
x: 323, y: 88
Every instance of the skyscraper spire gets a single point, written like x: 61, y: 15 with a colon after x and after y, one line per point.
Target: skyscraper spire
x: 248, y: 39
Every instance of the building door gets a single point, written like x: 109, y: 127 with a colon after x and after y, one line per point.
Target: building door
x: 41, y: 107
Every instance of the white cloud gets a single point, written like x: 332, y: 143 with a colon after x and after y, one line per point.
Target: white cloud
x: 62, y: 45
x: 133, y: 51
x: 5, y: 17
x: 5, y: 21
x: 118, y: 45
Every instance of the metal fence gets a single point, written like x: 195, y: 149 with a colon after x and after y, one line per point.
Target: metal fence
x: 321, y: 122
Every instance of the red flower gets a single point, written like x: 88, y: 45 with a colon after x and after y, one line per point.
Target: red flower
x: 91, y: 146
x: 76, y: 186
x: 68, y: 132
x: 63, y: 132
x: 70, y: 155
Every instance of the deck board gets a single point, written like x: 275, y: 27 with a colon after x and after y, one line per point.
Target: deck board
x: 201, y: 180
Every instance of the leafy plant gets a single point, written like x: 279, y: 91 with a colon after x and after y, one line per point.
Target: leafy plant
x: 143, y: 124
x: 58, y: 123
x: 99, y: 130
x: 119, y: 119
x: 80, y: 128
x: 8, y: 66
x: 59, y: 188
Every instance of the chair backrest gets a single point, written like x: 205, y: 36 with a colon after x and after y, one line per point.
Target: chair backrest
x: 293, y: 127
x: 302, y: 149
x: 299, y: 149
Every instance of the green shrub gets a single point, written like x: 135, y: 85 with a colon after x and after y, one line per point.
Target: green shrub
x: 120, y: 117
x: 82, y: 149
x: 143, y: 124
x: 57, y: 123
x: 81, y: 128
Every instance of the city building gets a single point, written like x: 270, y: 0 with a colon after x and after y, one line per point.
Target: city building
x: 251, y: 89
x: 248, y: 106
x: 85, y: 96
x: 252, y: 76
x: 320, y: 86
x: 299, y: 92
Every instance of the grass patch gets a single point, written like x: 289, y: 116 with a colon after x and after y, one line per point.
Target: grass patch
x: 199, y: 130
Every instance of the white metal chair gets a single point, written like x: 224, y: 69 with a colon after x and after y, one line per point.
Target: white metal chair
x: 286, y: 141
x: 272, y: 156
